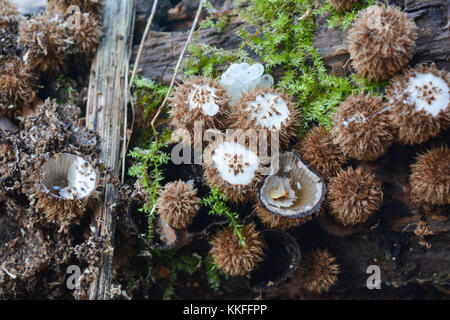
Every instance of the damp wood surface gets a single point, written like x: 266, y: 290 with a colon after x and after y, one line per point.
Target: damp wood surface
x: 107, y: 99
x: 407, y: 261
x: 162, y: 49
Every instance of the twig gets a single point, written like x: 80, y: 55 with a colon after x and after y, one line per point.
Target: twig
x: 141, y: 46
x: 128, y: 86
x: 166, y: 99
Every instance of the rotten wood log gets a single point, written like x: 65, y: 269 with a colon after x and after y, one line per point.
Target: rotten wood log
x: 432, y: 16
x: 107, y: 100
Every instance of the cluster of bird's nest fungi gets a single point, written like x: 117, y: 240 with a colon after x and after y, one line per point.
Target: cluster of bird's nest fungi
x: 324, y: 174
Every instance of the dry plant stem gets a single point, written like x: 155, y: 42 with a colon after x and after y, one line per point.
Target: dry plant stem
x: 166, y: 99
x: 126, y: 141
x: 141, y: 46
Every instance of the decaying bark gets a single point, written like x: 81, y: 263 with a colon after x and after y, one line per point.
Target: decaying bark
x: 432, y: 16
x: 107, y: 100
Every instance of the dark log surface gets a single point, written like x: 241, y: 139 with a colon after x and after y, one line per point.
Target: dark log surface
x: 388, y: 240
x: 432, y: 16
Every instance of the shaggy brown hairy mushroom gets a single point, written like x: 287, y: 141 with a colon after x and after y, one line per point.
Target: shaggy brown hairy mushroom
x: 381, y: 41
x: 201, y: 100
x: 278, y: 222
x: 342, y: 5
x: 87, y: 36
x: 232, y: 168
x: 178, y: 204
x: 231, y: 257
x: 354, y: 196
x: 430, y: 177
x: 361, y: 127
x: 65, y: 186
x: 9, y: 28
x: 267, y: 109
x: 319, y: 271
x: 318, y: 150
x: 17, y: 86
x: 46, y: 41
x: 420, y: 101
x: 86, y: 6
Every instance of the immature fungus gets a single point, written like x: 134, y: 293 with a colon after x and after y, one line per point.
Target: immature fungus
x: 362, y: 128
x: 381, y: 41
x: 420, y: 101
x: 199, y: 101
x: 232, y: 168
x: 178, y: 204
x: 267, y: 109
x: 86, y: 6
x: 231, y: 257
x: 9, y: 28
x: 17, y: 87
x: 354, y: 196
x: 318, y: 150
x: 430, y: 177
x: 46, y: 41
x: 319, y: 271
x: 87, y: 36
x: 342, y: 5
x: 291, y: 196
x: 240, y: 78
x: 66, y: 185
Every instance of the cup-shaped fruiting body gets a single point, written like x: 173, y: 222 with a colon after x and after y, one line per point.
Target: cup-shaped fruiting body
x: 85, y: 6
x: 267, y: 109
x: 46, y: 41
x: 342, y: 5
x: 292, y: 195
x: 362, y: 128
x: 420, y: 101
x: 9, y: 28
x: 430, y: 177
x: 66, y: 186
x: 319, y: 271
x: 199, y: 100
x: 178, y: 204
x: 231, y: 257
x: 381, y: 41
x: 354, y: 196
x: 241, y: 78
x: 233, y: 168
x: 319, y: 151
x: 17, y: 86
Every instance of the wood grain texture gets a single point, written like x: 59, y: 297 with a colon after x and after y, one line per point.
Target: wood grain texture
x: 107, y: 99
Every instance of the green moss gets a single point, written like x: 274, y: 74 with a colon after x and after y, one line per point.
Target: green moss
x: 149, y: 173
x: 343, y: 20
x: 217, y: 202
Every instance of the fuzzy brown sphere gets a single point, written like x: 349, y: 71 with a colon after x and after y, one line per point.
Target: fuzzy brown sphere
x: 9, y: 28
x: 319, y: 271
x: 430, y: 177
x: 342, y: 5
x: 178, y: 204
x: 182, y: 117
x: 245, y: 119
x: 278, y: 222
x: 362, y: 128
x: 234, y: 192
x: 86, y: 6
x: 416, y: 126
x: 318, y: 150
x: 46, y: 41
x: 354, y: 196
x: 18, y: 87
x: 231, y: 257
x: 381, y: 41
